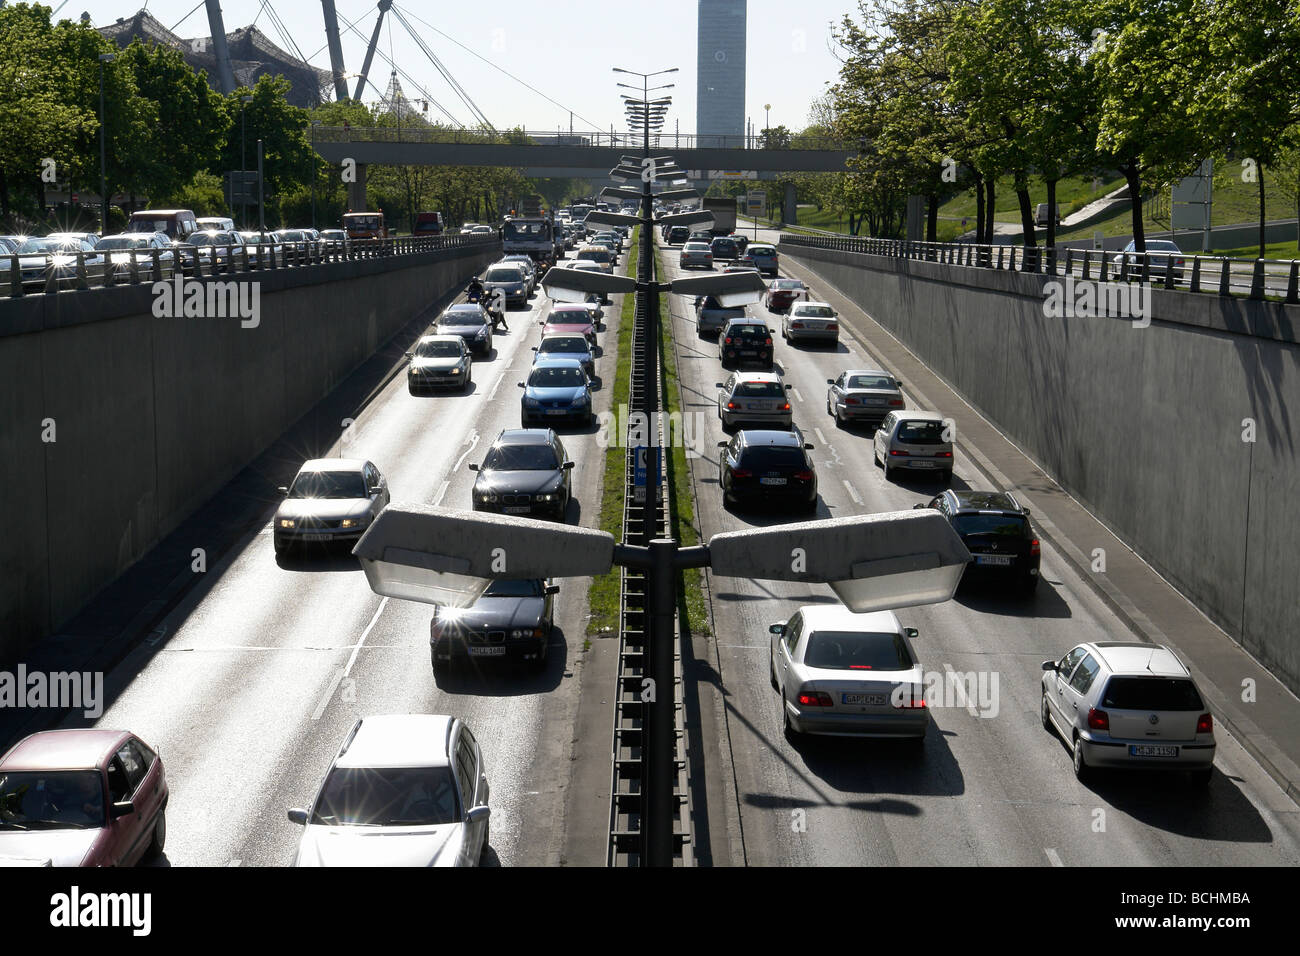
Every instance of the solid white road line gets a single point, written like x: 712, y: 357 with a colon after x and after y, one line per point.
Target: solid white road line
x: 1054, y: 857
x: 853, y: 492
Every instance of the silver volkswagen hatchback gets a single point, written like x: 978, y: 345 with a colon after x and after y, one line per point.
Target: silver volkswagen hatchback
x: 1120, y: 704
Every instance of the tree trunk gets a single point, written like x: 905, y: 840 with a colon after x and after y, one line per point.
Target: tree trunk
x: 988, y: 211
x: 932, y: 218
x: 1133, y: 177
x: 1029, y: 237
x: 979, y: 208
x: 1260, y: 175
x: 1050, y: 241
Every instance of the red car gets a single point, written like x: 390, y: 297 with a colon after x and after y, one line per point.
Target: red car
x: 783, y: 293
x: 570, y: 320
x: 82, y: 798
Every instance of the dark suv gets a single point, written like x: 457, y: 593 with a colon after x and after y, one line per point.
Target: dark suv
x: 724, y: 247
x: 772, y: 467
x: 525, y: 472
x: 745, y: 341
x: 678, y: 235
x: 995, y: 528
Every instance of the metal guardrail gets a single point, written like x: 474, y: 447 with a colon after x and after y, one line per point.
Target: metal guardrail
x: 612, y: 139
x: 624, y: 848
x: 88, y: 270
x: 1221, y: 275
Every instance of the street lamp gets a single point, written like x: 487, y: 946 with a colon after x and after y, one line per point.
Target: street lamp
x: 103, y: 162
x: 243, y: 162
x: 314, y: 124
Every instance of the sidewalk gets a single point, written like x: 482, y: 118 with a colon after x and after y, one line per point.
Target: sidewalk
x: 1268, y: 727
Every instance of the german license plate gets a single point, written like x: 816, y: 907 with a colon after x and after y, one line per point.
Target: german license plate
x: 771, y: 481
x: 1151, y: 750
x: 921, y: 464
x: 491, y: 651
x: 748, y: 352
x: 322, y: 537
x: 865, y: 700
x: 556, y: 411
x: 998, y: 559
x: 516, y: 510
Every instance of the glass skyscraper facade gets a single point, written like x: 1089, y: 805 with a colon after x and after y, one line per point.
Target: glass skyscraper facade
x: 720, y: 53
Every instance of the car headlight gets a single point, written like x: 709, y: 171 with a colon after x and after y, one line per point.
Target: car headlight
x: 549, y: 496
x: 352, y: 523
x: 487, y: 497
x: 518, y: 633
x: 582, y: 400
x: 531, y: 402
x: 286, y: 523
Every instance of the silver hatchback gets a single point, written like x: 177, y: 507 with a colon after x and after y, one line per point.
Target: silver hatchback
x: 1120, y: 704
x: 747, y: 398
x: 916, y: 440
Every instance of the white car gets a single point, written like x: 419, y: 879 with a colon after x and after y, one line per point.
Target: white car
x: 815, y: 321
x: 844, y: 673
x: 331, y: 501
x: 404, y: 790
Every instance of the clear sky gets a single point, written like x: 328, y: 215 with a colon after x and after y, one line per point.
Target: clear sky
x: 564, y: 48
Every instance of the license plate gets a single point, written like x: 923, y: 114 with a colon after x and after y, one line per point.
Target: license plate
x: 748, y: 352
x: 922, y: 464
x: 322, y: 537
x: 493, y: 651
x: 771, y: 481
x: 999, y: 559
x: 516, y: 510
x: 874, y: 700
x: 1151, y: 750
x: 556, y: 411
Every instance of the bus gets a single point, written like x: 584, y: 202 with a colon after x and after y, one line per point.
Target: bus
x: 365, y: 225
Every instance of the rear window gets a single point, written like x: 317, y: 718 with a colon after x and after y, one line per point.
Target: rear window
x: 857, y: 650
x: 921, y: 433
x: 1152, y: 693
x: 771, y: 458
x: 762, y: 251
x: 759, y: 390
x: 748, y: 331
x: 870, y: 381
x: 815, y: 311
x: 1013, y: 526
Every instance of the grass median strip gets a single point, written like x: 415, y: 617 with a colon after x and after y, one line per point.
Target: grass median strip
x: 603, y: 601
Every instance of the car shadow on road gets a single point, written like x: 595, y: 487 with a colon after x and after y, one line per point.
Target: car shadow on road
x: 318, y: 558
x: 468, y: 389
x: 927, y: 483
x: 991, y: 596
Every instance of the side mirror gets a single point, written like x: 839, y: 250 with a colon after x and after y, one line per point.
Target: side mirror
x: 478, y: 815
x: 552, y: 589
x: 534, y: 348
x: 788, y: 387
x: 568, y: 466
x: 473, y: 466
x: 915, y: 507
x: 830, y: 381
x: 409, y: 354
x: 723, y: 444
x: 521, y: 384
x: 1049, y: 665
x: 807, y: 446
x: 718, y: 385
x: 122, y: 808
x: 1027, y: 512
x: 911, y: 632
x: 776, y: 628
x: 298, y: 816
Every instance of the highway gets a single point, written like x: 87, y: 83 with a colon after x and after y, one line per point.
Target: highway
x: 263, y: 671
x: 992, y: 786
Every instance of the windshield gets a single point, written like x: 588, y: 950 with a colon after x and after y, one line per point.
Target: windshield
x: 563, y: 344
x: 1151, y: 693
x: 465, y: 317
x: 150, y: 225
x: 552, y: 376
x: 526, y: 230
x: 857, y: 650
x: 504, y: 275
x: 502, y: 587
x: 438, y: 350
x: 869, y: 381
x: 328, y: 484
x: 759, y: 390
x: 594, y: 255
x: 32, y: 246
x: 51, y: 800
x: 387, y: 797
x: 122, y: 242
x: 211, y: 239
x: 1010, y: 525
x: 521, y: 458
x: 921, y: 433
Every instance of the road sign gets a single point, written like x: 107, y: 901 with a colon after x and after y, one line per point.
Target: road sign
x: 645, y: 470
x: 241, y: 187
x: 722, y: 174
x: 756, y: 203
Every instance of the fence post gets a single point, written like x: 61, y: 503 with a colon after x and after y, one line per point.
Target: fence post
x: 1196, y: 274
x: 1257, y: 280
x: 81, y: 270
x: 1293, y: 283
x: 1225, y: 278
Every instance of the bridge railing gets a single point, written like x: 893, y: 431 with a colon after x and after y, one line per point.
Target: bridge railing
x: 1222, y: 275
x: 606, y: 140
x: 26, y: 275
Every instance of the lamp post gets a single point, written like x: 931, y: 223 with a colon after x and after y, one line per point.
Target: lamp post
x: 103, y: 149
x: 243, y: 162
x: 314, y: 124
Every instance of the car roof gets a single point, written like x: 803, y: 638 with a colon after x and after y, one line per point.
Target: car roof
x: 746, y: 319
x: 524, y: 436
x: 398, y: 740
x: 759, y: 377
x: 918, y: 415
x: 576, y: 336
x: 822, y: 617
x: 465, y: 307
x: 772, y: 438
x: 333, y: 464
x: 867, y: 371
x: 811, y: 304
x: 970, y: 500
x: 1129, y: 658
x: 570, y: 307
x: 558, y: 361
x: 80, y: 749
x: 454, y: 339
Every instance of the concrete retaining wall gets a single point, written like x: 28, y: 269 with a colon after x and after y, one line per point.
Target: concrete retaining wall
x: 1144, y: 425
x: 151, y: 416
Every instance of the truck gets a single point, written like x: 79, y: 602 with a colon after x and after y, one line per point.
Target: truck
x: 365, y: 225
x: 531, y: 236
x: 724, y: 215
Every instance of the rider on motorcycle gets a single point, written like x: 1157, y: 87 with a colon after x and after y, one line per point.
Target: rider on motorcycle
x: 474, y: 291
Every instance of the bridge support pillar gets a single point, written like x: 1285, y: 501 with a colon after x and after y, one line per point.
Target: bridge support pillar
x: 789, y: 206
x: 357, y: 190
